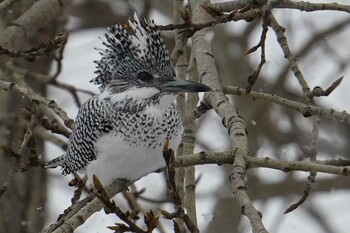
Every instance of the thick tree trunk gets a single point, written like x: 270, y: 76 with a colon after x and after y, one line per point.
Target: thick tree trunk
x: 22, y: 204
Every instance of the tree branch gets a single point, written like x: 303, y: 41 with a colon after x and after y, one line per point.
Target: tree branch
x: 305, y: 109
x: 7, y: 86
x: 204, y: 57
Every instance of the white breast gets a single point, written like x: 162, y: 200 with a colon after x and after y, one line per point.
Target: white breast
x: 117, y: 159
x: 134, y: 147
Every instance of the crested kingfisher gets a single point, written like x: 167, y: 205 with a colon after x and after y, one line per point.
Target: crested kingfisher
x: 120, y: 133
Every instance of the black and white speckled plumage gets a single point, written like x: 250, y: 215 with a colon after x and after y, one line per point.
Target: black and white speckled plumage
x: 92, y: 121
x: 130, y: 116
x: 126, y: 55
x: 99, y: 117
x: 120, y: 133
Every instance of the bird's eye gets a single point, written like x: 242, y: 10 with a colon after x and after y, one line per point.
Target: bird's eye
x: 144, y: 76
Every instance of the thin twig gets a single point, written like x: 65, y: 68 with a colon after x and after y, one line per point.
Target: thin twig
x: 282, y: 4
x: 305, y: 109
x: 312, y: 155
x: 318, y: 91
x: 83, y: 209
x: 253, y: 78
x: 111, y: 207
x: 18, y: 164
x: 169, y: 158
x: 233, y: 16
x: 283, y: 42
x: 31, y: 54
x: 7, y: 86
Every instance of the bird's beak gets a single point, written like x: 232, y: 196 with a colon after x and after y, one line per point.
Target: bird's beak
x: 178, y: 85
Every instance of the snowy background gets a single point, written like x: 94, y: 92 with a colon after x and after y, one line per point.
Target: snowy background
x: 78, y: 70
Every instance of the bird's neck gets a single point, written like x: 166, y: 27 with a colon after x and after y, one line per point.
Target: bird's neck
x: 156, y: 104
x: 161, y: 105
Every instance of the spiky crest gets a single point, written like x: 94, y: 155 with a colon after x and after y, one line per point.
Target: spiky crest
x: 127, y: 54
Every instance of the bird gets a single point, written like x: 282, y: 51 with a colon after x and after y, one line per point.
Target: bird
x: 120, y: 132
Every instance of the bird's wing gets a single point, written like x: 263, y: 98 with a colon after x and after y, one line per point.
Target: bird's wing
x: 93, y: 121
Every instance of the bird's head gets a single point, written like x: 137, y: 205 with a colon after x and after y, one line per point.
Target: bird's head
x: 137, y: 64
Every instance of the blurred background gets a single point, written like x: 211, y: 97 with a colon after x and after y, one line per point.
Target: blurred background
x: 320, y: 42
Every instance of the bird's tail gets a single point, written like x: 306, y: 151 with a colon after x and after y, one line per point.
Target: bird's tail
x: 59, y: 161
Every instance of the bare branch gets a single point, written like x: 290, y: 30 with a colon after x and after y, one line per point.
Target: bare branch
x: 169, y: 157
x: 30, y: 22
x: 336, y: 166
x: 318, y: 91
x: 282, y: 40
x: 46, y: 48
x: 6, y: 86
x: 282, y: 4
x: 252, y: 78
x: 110, y: 207
x: 305, y: 109
x: 232, y: 121
x: 83, y: 209
x: 233, y: 16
